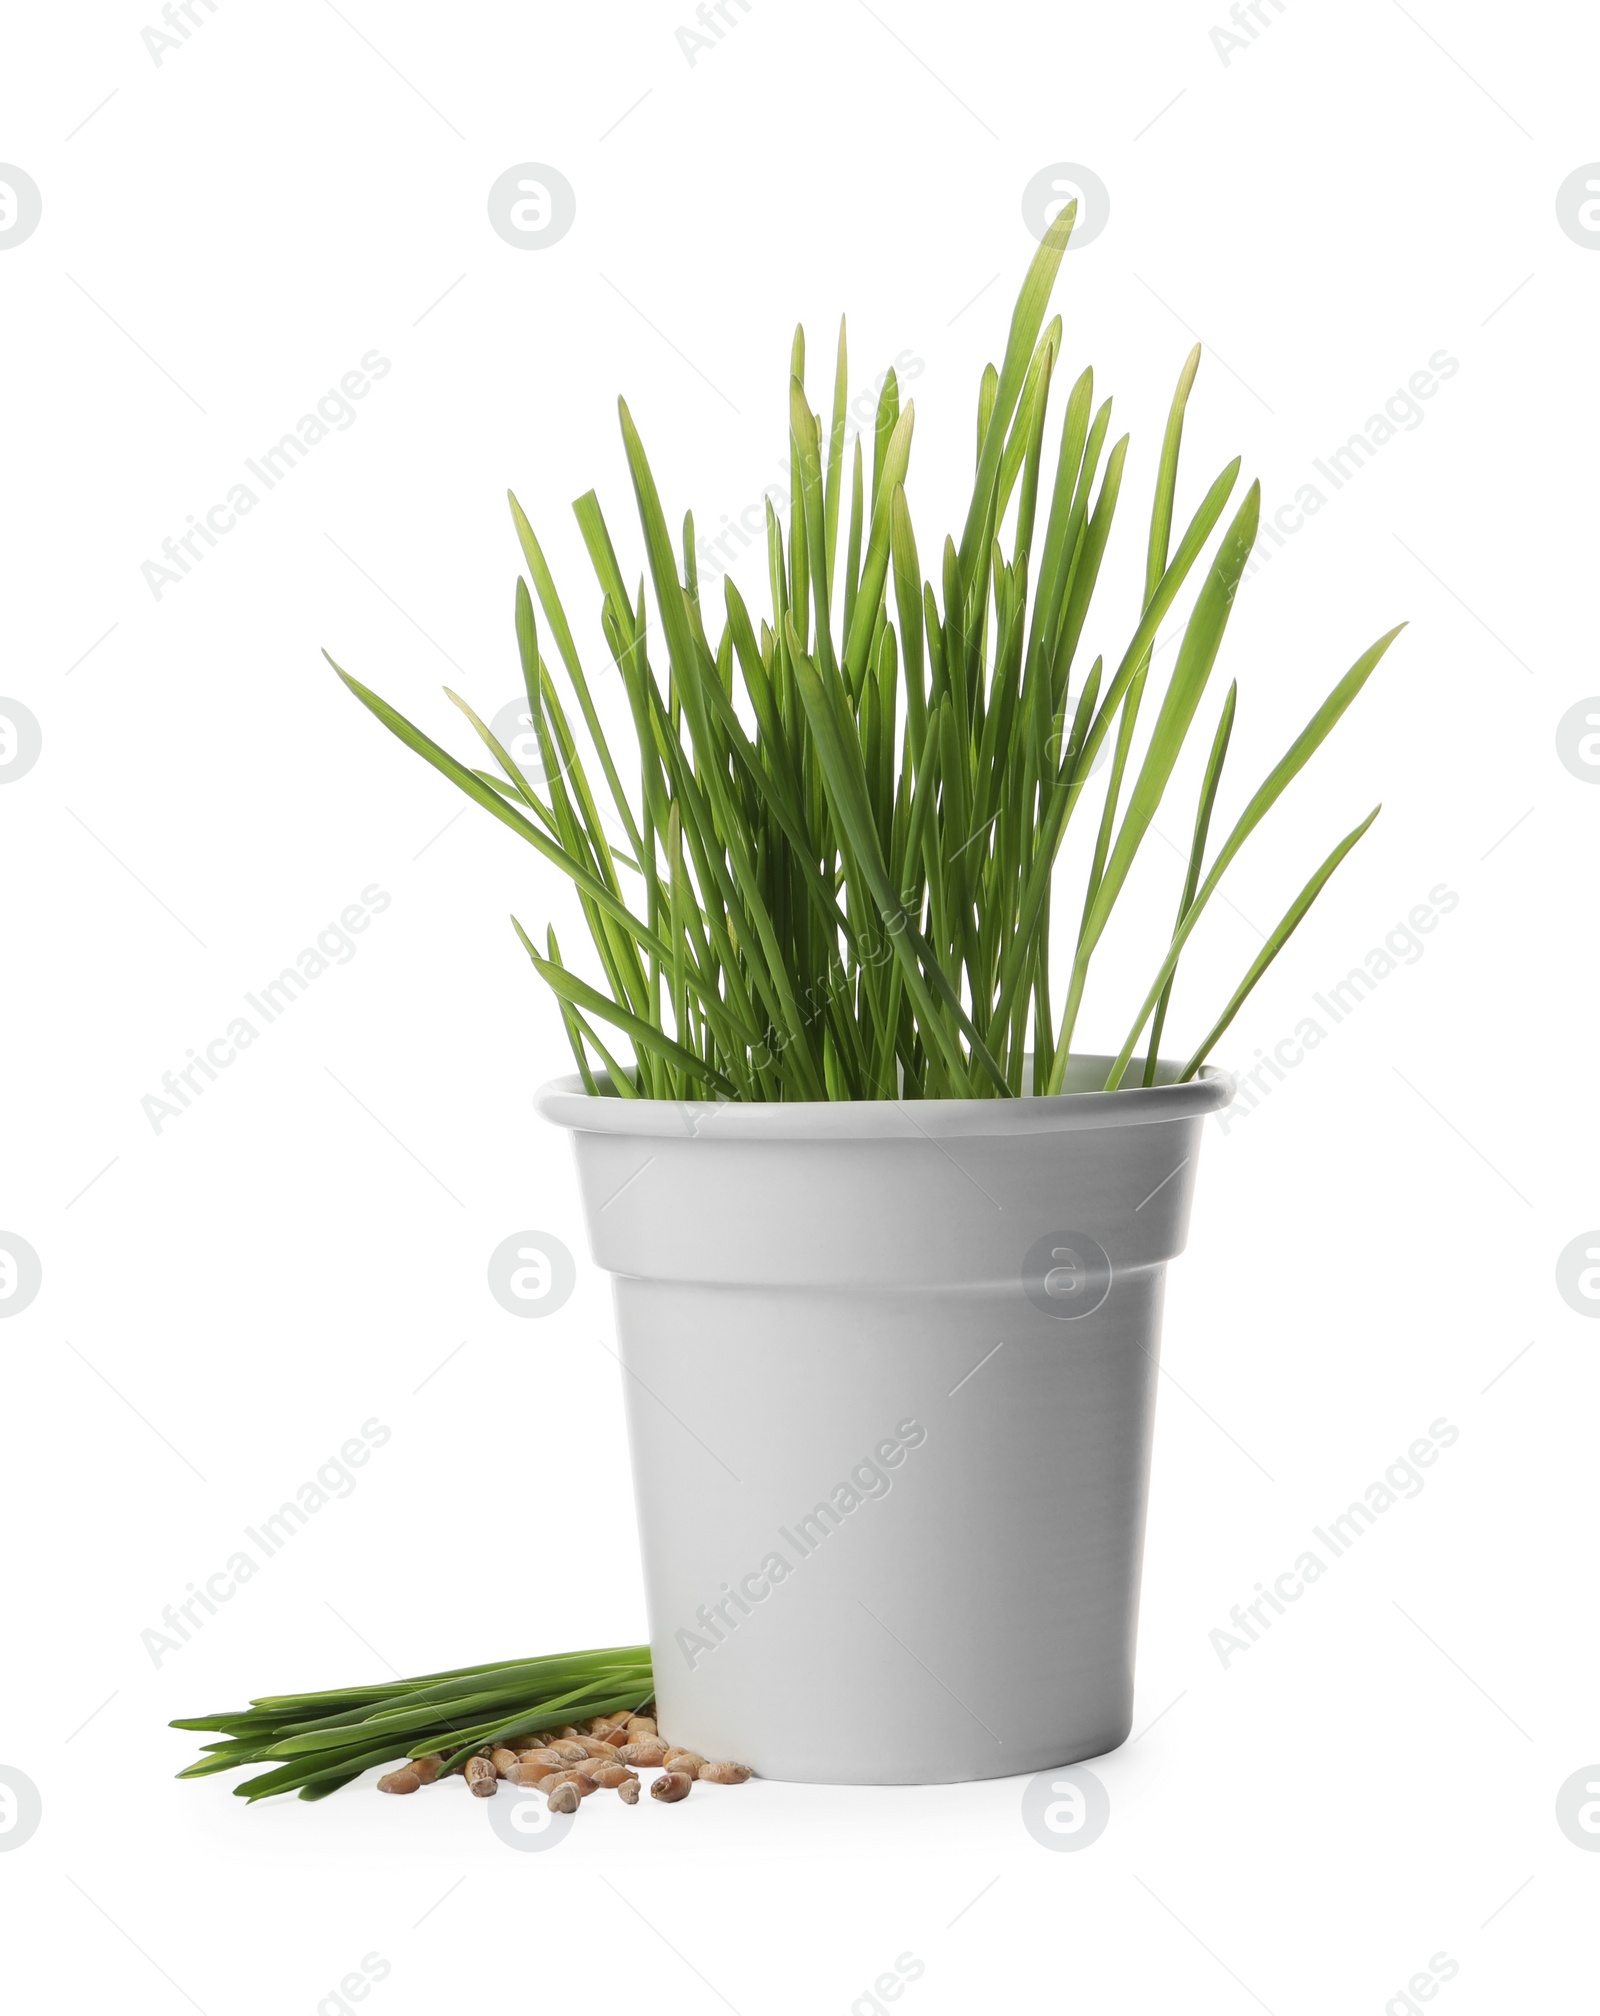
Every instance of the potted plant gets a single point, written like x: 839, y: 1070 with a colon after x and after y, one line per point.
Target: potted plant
x: 888, y: 1251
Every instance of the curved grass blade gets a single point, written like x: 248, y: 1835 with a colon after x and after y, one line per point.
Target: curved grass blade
x: 480, y: 793
x: 656, y: 1041
x: 555, y: 616
x: 1288, y: 766
x: 1282, y: 932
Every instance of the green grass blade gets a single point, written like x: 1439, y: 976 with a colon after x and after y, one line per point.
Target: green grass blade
x: 1197, y: 851
x: 1280, y: 935
x: 646, y: 1037
x: 896, y: 460
x: 841, y: 388
x: 908, y: 603
x: 1027, y: 319
x: 1197, y: 654
x: 464, y: 779
x: 1267, y: 794
x: 555, y: 616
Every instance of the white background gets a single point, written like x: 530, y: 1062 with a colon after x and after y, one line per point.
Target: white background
x: 227, y: 1299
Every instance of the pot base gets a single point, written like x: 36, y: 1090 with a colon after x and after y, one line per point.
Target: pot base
x: 1044, y: 1759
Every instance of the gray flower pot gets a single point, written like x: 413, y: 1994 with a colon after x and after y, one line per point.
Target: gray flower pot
x: 891, y: 1375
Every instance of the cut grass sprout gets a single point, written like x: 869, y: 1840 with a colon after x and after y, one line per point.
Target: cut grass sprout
x: 314, y: 1743
x: 850, y: 897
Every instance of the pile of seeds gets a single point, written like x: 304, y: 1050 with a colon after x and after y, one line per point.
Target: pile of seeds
x: 568, y: 1764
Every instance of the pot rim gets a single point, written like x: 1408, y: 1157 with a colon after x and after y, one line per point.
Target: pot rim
x: 564, y: 1102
